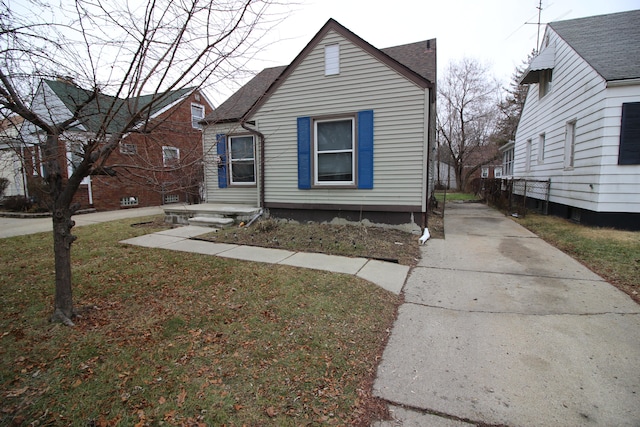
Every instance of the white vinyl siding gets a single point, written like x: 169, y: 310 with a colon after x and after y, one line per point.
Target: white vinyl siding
x: 580, y: 95
x: 400, y: 110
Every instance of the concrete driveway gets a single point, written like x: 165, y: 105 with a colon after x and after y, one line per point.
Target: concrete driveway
x: 500, y: 328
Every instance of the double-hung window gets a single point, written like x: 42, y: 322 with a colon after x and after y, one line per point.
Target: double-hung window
x: 170, y: 156
x: 242, y: 161
x: 197, y: 114
x: 334, y: 157
x: 336, y: 151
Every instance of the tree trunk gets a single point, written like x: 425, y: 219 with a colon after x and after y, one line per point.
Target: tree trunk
x: 62, y: 240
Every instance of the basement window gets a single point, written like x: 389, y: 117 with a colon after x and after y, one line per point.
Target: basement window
x: 171, y: 198
x: 129, y: 201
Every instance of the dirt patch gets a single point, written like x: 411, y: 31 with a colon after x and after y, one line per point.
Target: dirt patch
x: 347, y: 240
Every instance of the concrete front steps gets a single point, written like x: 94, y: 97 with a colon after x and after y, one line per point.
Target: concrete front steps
x: 209, y: 214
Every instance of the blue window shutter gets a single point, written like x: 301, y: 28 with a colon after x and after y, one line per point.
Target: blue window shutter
x: 365, y: 149
x: 304, y: 153
x: 221, y: 149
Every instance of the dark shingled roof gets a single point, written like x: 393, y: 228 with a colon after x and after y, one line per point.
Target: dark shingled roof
x: 241, y: 101
x: 609, y: 43
x: 93, y: 113
x: 419, y: 57
x: 416, y: 58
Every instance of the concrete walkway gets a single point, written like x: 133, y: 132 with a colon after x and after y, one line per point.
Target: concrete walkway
x: 387, y: 275
x: 500, y: 328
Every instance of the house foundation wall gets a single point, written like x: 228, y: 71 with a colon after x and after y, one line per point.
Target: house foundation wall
x: 617, y: 220
x: 406, y: 221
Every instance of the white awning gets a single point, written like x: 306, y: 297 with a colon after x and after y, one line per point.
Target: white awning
x: 545, y: 60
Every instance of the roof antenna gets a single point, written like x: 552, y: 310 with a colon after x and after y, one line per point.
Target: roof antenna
x: 539, y: 15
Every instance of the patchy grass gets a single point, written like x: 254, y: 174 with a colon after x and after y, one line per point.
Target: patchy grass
x: 347, y: 240
x: 454, y: 196
x: 179, y: 339
x: 613, y: 254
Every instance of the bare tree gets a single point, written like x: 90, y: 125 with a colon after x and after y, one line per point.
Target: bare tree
x: 510, y: 108
x: 466, y: 114
x: 117, y: 51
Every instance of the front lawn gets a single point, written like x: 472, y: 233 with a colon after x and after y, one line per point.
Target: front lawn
x: 613, y: 254
x: 179, y: 339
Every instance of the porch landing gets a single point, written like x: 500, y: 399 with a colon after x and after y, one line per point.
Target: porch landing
x: 209, y: 214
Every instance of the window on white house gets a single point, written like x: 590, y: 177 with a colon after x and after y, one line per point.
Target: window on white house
x: 128, y: 148
x: 484, y: 173
x: 541, y: 147
x: 197, y: 114
x: 331, y: 59
x: 527, y: 156
x: 570, y: 144
x: 544, y: 85
x: 497, y: 172
x: 507, y: 162
x: 629, y: 152
x: 170, y: 156
x: 334, y: 159
x: 242, y: 160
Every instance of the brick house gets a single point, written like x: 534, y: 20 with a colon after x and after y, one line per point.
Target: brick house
x: 157, y: 163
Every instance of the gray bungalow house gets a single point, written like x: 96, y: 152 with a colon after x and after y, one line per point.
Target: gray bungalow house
x: 344, y: 131
x: 580, y: 125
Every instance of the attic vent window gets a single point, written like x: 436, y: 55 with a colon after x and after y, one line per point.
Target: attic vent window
x: 332, y: 59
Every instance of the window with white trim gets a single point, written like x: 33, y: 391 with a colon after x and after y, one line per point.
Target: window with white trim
x: 570, y: 144
x: 242, y: 161
x: 170, y: 156
x: 541, y: 147
x: 332, y: 59
x: 197, y: 114
x: 544, y: 85
x: 484, y: 173
x: 334, y: 156
x: 497, y: 172
x: 507, y: 161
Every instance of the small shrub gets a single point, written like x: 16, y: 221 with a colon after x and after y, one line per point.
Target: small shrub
x: 4, y: 183
x: 16, y: 203
x: 266, y: 225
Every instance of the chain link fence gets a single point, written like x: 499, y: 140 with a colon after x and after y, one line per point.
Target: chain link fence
x: 516, y: 196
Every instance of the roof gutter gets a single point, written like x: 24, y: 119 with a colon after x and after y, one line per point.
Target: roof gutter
x: 625, y: 82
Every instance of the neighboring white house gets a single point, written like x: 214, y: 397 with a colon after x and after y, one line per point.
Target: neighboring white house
x: 344, y: 131
x: 580, y: 126
x: 11, y: 165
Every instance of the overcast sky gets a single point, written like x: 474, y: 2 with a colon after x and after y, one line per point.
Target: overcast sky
x: 492, y: 31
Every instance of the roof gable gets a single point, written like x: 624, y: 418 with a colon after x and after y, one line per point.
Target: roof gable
x: 609, y: 43
x: 94, y: 112
x: 414, y: 61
